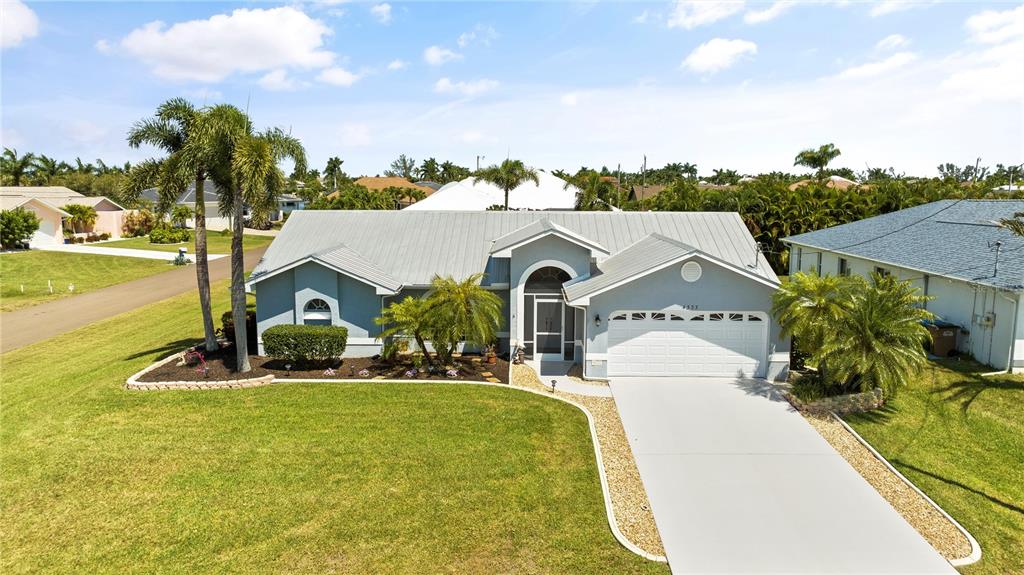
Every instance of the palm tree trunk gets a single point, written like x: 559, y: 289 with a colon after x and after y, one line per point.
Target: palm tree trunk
x: 506, y: 199
x: 238, y: 284
x: 203, y: 266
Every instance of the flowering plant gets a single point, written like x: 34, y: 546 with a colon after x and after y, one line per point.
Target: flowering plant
x: 329, y: 372
x: 364, y: 373
x: 452, y: 373
x: 411, y: 373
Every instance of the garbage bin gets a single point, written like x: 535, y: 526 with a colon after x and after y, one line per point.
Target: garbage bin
x: 943, y: 337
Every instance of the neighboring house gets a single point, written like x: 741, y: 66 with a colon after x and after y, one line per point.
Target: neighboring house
x: 215, y: 221
x: 109, y: 215
x: 836, y: 182
x: 428, y: 184
x: 51, y: 218
x: 379, y: 184
x: 953, y: 252
x: 466, y: 195
x: 624, y: 293
x: 286, y: 204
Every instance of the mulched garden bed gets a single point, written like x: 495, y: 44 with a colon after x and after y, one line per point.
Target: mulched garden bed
x: 220, y: 366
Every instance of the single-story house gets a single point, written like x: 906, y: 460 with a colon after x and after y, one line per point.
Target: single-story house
x: 381, y: 183
x: 109, y: 215
x: 215, y: 221
x: 622, y: 293
x: 835, y: 182
x: 286, y: 204
x: 953, y: 251
x: 51, y: 219
x: 551, y: 193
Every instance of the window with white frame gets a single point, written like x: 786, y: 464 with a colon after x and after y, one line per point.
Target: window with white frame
x: 316, y: 312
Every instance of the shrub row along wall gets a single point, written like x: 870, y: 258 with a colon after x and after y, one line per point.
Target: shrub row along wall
x: 840, y: 404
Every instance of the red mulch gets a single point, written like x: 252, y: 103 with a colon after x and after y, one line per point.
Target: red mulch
x: 220, y: 366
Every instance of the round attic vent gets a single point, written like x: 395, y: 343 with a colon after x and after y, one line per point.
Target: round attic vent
x: 691, y: 271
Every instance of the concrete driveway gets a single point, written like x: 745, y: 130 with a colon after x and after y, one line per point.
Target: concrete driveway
x: 740, y: 483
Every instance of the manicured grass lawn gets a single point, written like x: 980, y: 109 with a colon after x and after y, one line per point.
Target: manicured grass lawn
x: 296, y: 478
x: 87, y: 271
x: 215, y: 243
x: 960, y: 438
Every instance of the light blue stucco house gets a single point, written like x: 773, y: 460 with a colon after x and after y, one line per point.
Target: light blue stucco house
x: 622, y: 293
x: 952, y: 251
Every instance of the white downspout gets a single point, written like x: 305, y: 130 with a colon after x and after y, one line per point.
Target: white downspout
x: 1013, y: 332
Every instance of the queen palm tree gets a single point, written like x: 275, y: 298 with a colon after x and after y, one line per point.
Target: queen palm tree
x: 244, y: 164
x: 16, y: 167
x: 508, y: 176
x: 817, y: 159
x: 175, y: 124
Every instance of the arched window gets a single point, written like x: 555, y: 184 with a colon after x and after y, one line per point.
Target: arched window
x: 316, y: 312
x: 546, y: 279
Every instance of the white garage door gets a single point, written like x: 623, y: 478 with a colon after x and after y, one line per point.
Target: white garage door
x: 723, y: 344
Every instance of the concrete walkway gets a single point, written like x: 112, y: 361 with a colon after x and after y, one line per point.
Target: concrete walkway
x: 33, y: 324
x: 101, y: 250
x: 739, y: 482
x: 556, y: 371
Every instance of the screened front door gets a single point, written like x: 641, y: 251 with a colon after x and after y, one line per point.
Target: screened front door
x: 549, y: 327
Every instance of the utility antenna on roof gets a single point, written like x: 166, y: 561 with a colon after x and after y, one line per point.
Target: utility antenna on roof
x: 757, y: 254
x: 998, y: 246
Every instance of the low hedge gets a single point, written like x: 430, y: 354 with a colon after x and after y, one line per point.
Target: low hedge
x: 165, y: 235
x: 305, y: 343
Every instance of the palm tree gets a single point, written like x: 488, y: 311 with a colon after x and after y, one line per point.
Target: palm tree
x: 817, y: 159
x: 174, y: 125
x: 45, y: 168
x: 451, y: 172
x: 462, y: 311
x: 83, y: 168
x: 16, y: 167
x: 508, y: 176
x: 430, y: 170
x: 244, y: 164
x: 809, y: 307
x: 82, y: 217
x: 333, y: 172
x: 879, y: 339
x: 1014, y: 224
x: 408, y: 318
x: 595, y: 193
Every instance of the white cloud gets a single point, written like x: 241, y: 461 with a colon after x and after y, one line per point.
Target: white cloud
x: 718, y: 54
x: 436, y: 55
x: 382, y: 12
x: 355, y: 135
x: 10, y: 138
x: 246, y: 40
x: 19, y: 23
x: 891, y: 42
x: 204, y: 94
x: 570, y: 99
x: 772, y: 12
x: 897, y: 60
x: 480, y: 34
x: 641, y: 18
x: 397, y: 64
x: 471, y: 137
x: 278, y: 81
x: 103, y: 47
x: 337, y: 76
x: 892, y: 6
x: 85, y: 132
x: 991, y: 27
x: 469, y: 89
x: 690, y: 14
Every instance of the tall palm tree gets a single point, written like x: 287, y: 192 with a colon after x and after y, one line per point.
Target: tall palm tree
x: 817, y: 159
x: 508, y: 176
x: 45, y: 168
x: 244, y: 163
x: 333, y: 172
x: 175, y: 124
x: 16, y: 167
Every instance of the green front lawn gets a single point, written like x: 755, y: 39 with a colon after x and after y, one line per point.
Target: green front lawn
x: 960, y: 438
x: 296, y: 478
x: 216, y: 243
x: 24, y: 275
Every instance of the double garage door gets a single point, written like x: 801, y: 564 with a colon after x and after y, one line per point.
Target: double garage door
x: 712, y: 344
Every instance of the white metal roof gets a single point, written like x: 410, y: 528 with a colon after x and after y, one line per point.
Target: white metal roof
x: 549, y: 194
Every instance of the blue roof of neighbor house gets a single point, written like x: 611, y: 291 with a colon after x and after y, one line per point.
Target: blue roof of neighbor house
x: 951, y: 238
x: 412, y: 246
x: 210, y: 191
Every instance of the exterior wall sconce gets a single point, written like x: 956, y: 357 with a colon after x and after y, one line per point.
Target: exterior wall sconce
x: 597, y: 319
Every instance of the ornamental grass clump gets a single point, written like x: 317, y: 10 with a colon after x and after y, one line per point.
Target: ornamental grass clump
x: 305, y: 344
x: 860, y: 334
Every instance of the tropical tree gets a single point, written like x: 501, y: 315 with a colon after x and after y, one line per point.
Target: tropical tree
x: 82, y: 217
x: 596, y: 192
x: 180, y: 215
x: 17, y: 227
x: 244, y: 164
x: 404, y: 195
x: 45, y: 168
x: 462, y: 311
x: 403, y: 167
x: 409, y: 317
x: 175, y: 125
x: 451, y: 172
x: 84, y: 168
x: 14, y: 167
x: 333, y: 172
x: 879, y: 339
x: 817, y: 159
x: 724, y: 177
x: 508, y: 176
x: 1014, y: 224
x: 430, y: 170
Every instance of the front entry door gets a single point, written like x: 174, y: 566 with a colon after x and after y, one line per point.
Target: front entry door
x: 549, y: 333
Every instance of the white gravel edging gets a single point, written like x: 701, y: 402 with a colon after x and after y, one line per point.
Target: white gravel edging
x: 975, y: 555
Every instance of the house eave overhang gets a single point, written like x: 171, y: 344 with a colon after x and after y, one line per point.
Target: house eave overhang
x: 379, y: 288
x: 596, y: 249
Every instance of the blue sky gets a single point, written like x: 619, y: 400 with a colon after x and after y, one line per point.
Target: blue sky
x: 720, y: 84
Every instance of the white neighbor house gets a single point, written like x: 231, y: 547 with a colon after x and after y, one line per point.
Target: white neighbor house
x: 954, y: 252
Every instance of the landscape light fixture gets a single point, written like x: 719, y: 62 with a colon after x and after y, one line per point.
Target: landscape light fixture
x: 597, y: 319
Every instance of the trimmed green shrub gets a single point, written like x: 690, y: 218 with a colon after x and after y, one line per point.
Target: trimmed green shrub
x: 227, y: 322
x: 138, y: 223
x: 17, y: 227
x: 166, y: 235
x: 305, y: 343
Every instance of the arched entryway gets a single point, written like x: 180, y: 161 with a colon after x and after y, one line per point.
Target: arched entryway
x: 549, y: 325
